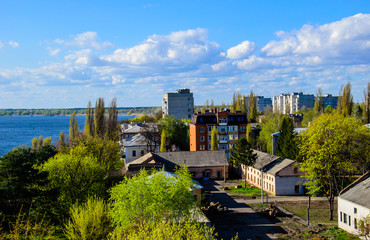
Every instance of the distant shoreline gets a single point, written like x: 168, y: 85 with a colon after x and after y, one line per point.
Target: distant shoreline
x: 67, y: 115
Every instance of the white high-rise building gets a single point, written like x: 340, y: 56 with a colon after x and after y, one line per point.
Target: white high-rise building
x: 291, y: 103
x: 179, y: 104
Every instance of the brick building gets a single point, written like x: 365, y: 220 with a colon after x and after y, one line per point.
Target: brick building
x: 230, y: 127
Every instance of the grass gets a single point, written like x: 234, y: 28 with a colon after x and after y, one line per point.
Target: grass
x: 247, y: 192
x: 330, y: 233
x: 319, y: 211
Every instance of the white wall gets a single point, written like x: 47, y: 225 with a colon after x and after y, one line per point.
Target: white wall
x: 348, y: 208
x: 286, y: 185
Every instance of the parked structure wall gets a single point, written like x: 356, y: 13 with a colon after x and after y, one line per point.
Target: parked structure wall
x: 349, y: 215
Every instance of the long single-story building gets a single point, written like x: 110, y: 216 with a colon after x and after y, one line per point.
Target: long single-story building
x: 354, y: 204
x: 201, y: 164
x: 277, y: 175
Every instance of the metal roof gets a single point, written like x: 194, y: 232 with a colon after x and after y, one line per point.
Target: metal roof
x: 358, y: 192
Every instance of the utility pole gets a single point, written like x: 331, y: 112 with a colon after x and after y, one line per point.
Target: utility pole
x: 308, y: 209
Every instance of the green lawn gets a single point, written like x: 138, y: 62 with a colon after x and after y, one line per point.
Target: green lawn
x: 247, y: 192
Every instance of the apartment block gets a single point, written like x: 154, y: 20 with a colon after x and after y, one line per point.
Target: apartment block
x: 290, y: 103
x: 179, y: 104
x: 230, y: 127
x: 331, y: 100
x: 262, y: 102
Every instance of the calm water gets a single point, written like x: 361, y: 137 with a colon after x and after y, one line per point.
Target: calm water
x: 16, y: 131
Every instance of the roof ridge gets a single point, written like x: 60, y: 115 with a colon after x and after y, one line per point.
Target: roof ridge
x: 358, y: 180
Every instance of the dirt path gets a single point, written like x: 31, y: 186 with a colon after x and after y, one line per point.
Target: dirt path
x: 239, y: 219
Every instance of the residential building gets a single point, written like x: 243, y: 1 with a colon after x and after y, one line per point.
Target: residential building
x: 230, y: 127
x: 201, y: 164
x: 291, y: 103
x: 276, y: 175
x: 262, y: 102
x: 179, y: 104
x: 331, y: 100
x: 354, y: 204
x: 138, y: 146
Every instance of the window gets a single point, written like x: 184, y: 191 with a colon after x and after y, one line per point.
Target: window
x: 219, y: 174
x: 349, y: 220
x: 202, y: 147
x: 344, y: 218
x: 231, y: 145
x: 210, y: 128
x: 202, y: 129
x: 295, y: 170
x: 222, y: 146
x: 233, y: 128
x: 201, y: 119
x: 209, y: 137
x: 189, y: 116
x: 134, y: 153
x: 223, y: 138
x: 222, y: 120
x: 209, y: 146
x: 355, y: 223
x: 233, y: 137
x: 341, y: 217
x: 354, y: 210
x: 222, y: 129
x: 242, y: 128
x: 202, y: 138
x: 296, y: 188
x: 142, y: 152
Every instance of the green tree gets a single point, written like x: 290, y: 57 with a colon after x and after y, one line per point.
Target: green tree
x: 40, y: 142
x: 366, y: 105
x: 253, y: 114
x: 329, y: 109
x: 319, y: 105
x: 20, y: 180
x: 155, y: 198
x: 61, y: 143
x: 214, y: 141
x: 76, y: 177
x: 112, y: 123
x: 88, y: 221
x: 47, y: 141
x: 287, y: 142
x: 89, y: 122
x: 270, y: 124
x: 330, y: 150
x: 248, y: 132
x: 242, y: 153
x: 346, y: 100
x: 177, y: 132
x: 163, y: 141
x: 73, y: 128
x: 34, y: 143
x: 99, y: 120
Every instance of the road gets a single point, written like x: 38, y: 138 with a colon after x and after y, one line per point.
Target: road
x: 240, y: 218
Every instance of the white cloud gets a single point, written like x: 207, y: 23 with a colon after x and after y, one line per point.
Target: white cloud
x: 85, y: 40
x: 342, y: 42
x: 242, y: 50
x: 53, y: 51
x: 13, y: 44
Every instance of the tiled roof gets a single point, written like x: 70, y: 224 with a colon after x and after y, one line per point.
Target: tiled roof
x: 358, y: 192
x: 137, y: 140
x: 270, y: 163
x: 264, y: 159
x: 134, y: 129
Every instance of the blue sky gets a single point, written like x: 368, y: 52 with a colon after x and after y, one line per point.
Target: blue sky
x: 59, y: 54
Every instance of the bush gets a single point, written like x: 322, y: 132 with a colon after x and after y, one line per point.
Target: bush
x: 88, y: 221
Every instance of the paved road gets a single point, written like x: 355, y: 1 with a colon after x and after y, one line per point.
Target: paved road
x: 240, y: 218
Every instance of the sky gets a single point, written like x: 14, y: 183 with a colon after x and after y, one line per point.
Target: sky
x: 62, y: 54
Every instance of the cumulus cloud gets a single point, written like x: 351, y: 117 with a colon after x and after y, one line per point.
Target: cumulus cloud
x: 53, y: 51
x: 85, y: 40
x: 242, y: 50
x: 342, y: 42
x: 178, y: 49
x: 13, y: 44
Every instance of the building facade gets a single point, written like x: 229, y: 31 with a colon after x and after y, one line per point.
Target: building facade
x: 230, y: 127
x: 291, y: 103
x: 354, y: 204
x: 179, y: 104
x: 331, y: 100
x: 262, y: 102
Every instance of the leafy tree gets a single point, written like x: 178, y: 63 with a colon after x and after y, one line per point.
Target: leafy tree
x: 34, y: 143
x: 177, y: 132
x: 20, y: 180
x: 40, y: 142
x: 248, y: 132
x: 242, y: 153
x: 270, y: 124
x: 111, y: 123
x: 330, y: 150
x: 319, y: 105
x: 329, y: 109
x: 155, y: 198
x: 287, y: 141
x: 346, y: 100
x: 366, y: 105
x: 89, y: 122
x: 76, y: 177
x: 99, y: 120
x: 253, y: 114
x: 214, y: 134
x: 89, y: 220
x: 364, y: 226
x: 73, y: 128
x: 61, y: 143
x: 47, y: 141
x: 163, y: 141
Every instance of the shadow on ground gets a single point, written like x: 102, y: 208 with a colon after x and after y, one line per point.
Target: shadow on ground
x: 239, y: 219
